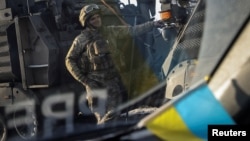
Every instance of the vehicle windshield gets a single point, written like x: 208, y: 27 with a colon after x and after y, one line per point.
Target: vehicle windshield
x: 42, y: 100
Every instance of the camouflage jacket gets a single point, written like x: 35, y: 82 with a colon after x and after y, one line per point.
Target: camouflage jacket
x: 76, y: 61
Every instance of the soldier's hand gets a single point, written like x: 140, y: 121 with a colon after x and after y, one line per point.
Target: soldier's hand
x: 91, y: 83
x: 159, y: 24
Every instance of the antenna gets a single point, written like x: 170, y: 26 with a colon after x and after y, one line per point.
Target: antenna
x: 28, y: 6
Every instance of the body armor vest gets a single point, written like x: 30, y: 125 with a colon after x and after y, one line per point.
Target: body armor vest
x: 100, y: 61
x: 99, y: 55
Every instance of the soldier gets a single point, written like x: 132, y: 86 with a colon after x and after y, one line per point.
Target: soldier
x: 89, y: 58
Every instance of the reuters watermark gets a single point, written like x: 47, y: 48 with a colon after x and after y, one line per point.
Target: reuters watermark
x: 219, y: 132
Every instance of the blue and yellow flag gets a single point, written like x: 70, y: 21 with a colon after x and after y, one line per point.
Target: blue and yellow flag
x: 187, y: 118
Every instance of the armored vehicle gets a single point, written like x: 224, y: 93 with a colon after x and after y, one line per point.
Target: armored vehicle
x: 39, y: 99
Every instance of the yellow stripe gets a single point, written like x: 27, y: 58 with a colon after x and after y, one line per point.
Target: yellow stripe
x: 170, y: 126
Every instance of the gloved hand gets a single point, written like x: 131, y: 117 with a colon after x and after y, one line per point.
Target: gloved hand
x: 159, y: 24
x: 91, y: 83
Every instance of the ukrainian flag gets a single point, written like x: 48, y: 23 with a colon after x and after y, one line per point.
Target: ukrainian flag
x: 187, y: 118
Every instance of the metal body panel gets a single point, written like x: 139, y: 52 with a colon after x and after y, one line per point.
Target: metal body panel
x: 5, y: 14
x: 38, y: 48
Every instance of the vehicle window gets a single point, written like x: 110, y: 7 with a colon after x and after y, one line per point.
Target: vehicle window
x: 80, y: 70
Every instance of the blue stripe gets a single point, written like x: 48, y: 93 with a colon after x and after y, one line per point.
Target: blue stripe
x: 199, y: 108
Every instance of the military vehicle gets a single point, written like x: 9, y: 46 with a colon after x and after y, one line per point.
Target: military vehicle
x: 41, y: 101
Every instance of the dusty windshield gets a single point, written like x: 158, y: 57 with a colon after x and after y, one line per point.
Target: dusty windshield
x: 77, y: 70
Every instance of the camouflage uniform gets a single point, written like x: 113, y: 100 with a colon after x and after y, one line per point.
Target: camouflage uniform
x: 90, y: 62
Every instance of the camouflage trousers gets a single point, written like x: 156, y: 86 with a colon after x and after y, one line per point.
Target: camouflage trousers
x: 116, y: 94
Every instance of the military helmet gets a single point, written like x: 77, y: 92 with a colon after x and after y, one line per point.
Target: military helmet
x: 88, y: 11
